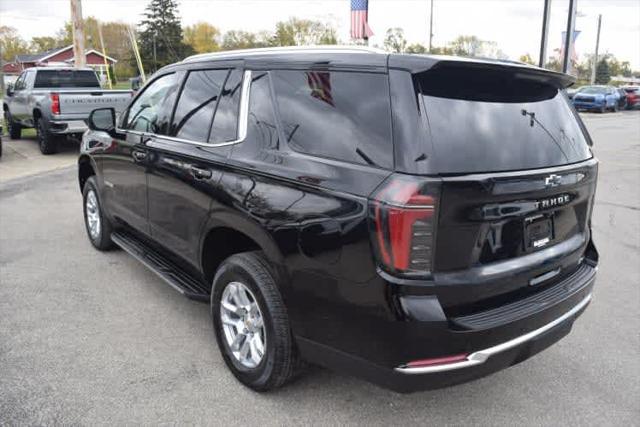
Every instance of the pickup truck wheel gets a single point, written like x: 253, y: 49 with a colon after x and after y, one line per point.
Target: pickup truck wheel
x: 14, y: 129
x: 251, y: 323
x: 47, y: 142
x: 98, y: 226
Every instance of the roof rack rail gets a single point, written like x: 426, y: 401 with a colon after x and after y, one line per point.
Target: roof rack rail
x: 286, y: 49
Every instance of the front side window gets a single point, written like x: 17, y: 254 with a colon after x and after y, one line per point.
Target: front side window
x: 148, y: 112
x: 18, y: 85
x: 197, y: 104
x: 339, y: 115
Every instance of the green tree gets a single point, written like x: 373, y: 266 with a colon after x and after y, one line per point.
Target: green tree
x: 467, y: 46
x: 202, y: 37
x: 236, y: 39
x: 394, y: 40
x: 603, y: 72
x: 42, y: 44
x: 300, y: 32
x: 416, y: 48
x: 12, y: 44
x: 526, y: 58
x: 160, y: 37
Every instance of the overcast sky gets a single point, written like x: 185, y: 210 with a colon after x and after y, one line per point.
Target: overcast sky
x: 514, y: 24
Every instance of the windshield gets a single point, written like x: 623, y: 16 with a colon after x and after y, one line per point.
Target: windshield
x: 593, y: 90
x: 489, y: 122
x: 66, y: 78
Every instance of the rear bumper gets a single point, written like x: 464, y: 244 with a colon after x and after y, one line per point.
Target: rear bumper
x: 63, y: 127
x: 385, y: 349
x: 481, y: 356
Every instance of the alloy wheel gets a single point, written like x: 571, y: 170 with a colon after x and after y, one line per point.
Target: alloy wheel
x: 243, y: 324
x: 92, y: 210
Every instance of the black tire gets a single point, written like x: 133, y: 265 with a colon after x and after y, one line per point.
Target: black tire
x: 280, y: 362
x: 48, y: 143
x: 102, y: 239
x: 13, y: 129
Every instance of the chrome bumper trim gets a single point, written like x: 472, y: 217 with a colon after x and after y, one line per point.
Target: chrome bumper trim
x: 481, y: 356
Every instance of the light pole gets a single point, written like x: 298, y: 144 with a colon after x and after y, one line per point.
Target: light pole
x: 568, y: 40
x: 431, y: 27
x: 595, y: 57
x: 545, y: 33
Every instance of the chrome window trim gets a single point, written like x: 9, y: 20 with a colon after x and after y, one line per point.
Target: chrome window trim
x: 243, y: 121
x: 481, y: 356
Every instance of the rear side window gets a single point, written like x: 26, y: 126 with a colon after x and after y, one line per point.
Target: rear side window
x: 225, y: 122
x: 339, y: 115
x: 66, y: 78
x: 488, y: 121
x: 197, y: 103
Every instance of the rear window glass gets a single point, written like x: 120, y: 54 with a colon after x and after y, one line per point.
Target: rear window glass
x: 339, y: 115
x: 66, y: 78
x: 197, y: 103
x: 488, y: 121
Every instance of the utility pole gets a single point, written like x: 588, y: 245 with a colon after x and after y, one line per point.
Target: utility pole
x: 431, y: 27
x: 545, y: 34
x: 595, y: 57
x: 568, y: 41
x: 78, y: 33
x: 155, y: 58
x: 1, y: 74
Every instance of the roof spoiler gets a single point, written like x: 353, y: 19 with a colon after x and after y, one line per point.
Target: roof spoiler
x: 421, y: 63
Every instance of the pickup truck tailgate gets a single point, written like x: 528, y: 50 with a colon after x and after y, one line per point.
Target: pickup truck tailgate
x: 78, y: 104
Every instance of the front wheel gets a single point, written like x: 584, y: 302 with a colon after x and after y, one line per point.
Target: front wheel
x: 97, y: 225
x: 47, y: 142
x: 251, y: 323
x: 14, y: 129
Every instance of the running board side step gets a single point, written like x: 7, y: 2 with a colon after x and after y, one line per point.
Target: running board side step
x: 167, y: 270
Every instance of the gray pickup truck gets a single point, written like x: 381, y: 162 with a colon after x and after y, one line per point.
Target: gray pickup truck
x: 56, y: 101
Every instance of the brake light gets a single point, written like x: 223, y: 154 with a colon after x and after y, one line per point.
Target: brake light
x: 404, y: 215
x: 55, y: 103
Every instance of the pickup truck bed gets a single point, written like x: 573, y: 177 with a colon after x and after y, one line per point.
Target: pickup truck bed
x: 57, y: 101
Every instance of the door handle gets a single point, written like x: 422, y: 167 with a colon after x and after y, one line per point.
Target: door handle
x: 139, y: 156
x: 200, y: 173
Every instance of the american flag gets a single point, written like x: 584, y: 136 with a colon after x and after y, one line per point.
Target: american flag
x: 320, y: 84
x: 359, y: 19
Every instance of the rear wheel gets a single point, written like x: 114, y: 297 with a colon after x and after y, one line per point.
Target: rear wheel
x: 98, y: 226
x: 251, y: 323
x: 13, y: 128
x: 47, y: 142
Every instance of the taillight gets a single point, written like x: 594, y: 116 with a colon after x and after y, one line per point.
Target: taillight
x: 404, y: 211
x: 55, y: 103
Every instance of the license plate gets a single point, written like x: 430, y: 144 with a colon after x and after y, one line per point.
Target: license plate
x: 538, y: 231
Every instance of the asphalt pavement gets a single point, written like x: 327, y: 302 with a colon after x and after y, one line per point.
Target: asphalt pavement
x: 95, y: 338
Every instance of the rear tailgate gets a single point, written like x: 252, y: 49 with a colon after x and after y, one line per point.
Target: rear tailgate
x: 500, y: 233
x: 517, y: 181
x: 78, y: 104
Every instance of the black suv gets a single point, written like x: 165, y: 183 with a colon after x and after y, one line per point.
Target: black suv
x: 417, y: 221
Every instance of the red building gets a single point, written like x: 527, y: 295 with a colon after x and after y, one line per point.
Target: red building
x: 57, y: 56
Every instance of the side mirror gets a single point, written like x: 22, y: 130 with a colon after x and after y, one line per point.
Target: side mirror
x: 10, y: 90
x: 103, y: 119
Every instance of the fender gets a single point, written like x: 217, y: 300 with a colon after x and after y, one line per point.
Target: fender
x: 235, y: 221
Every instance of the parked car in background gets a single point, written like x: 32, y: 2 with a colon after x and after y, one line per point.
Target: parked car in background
x: 572, y: 91
x: 56, y: 101
x: 622, y: 98
x: 418, y: 221
x: 0, y: 140
x: 597, y: 98
x: 633, y: 96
